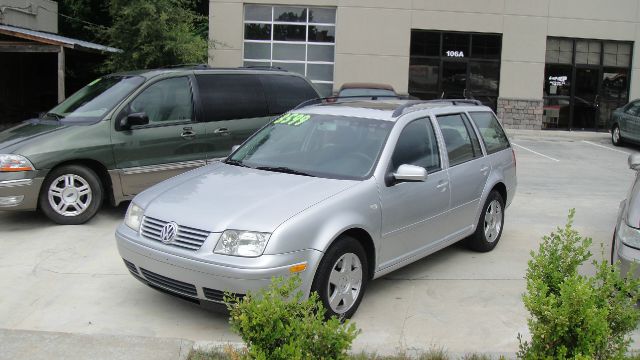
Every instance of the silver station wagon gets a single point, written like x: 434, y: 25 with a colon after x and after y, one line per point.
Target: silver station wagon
x: 339, y: 194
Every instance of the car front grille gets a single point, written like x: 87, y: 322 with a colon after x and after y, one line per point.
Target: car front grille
x: 218, y: 296
x: 186, y: 237
x: 169, y: 284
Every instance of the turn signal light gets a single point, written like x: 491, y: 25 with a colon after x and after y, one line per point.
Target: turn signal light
x: 297, y: 268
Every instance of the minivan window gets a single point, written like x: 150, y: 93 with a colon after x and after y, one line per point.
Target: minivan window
x: 285, y: 92
x: 231, y: 96
x: 165, y: 101
x: 417, y: 145
x: 494, y: 137
x: 94, y: 101
x: 457, y: 139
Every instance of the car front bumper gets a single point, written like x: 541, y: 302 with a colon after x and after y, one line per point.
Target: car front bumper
x: 203, y: 281
x: 20, y: 194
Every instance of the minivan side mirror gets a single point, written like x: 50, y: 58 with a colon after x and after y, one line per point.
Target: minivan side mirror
x: 234, y: 148
x: 634, y: 162
x: 135, y: 119
x: 410, y: 173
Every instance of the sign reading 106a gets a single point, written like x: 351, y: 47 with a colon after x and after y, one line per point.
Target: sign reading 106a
x: 458, y: 54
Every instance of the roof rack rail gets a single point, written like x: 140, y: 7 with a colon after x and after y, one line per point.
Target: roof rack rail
x: 453, y: 102
x: 332, y: 99
x: 261, y: 67
x: 175, y: 66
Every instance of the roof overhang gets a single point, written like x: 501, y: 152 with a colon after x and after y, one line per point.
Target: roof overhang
x: 52, y: 42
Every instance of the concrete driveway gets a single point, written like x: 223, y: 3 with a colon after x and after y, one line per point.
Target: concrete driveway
x: 71, y: 279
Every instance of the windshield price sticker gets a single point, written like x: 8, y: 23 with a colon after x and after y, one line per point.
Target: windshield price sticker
x: 293, y: 119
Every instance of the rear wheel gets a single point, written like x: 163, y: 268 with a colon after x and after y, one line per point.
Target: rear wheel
x: 71, y: 195
x: 616, y: 138
x: 490, y: 224
x: 341, y: 278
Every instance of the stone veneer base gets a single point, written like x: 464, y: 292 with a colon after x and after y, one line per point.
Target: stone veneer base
x: 520, y: 113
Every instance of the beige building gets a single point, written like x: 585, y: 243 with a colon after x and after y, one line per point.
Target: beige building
x: 540, y: 64
x: 40, y: 15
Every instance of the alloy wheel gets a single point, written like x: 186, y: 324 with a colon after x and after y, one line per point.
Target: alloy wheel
x: 70, y: 195
x: 493, y: 221
x: 345, y: 283
x: 616, y: 135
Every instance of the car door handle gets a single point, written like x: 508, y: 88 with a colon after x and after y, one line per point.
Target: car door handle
x: 221, y: 131
x: 484, y: 170
x: 442, y: 185
x: 188, y: 133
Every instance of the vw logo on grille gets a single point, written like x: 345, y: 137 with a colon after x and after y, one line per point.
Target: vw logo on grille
x: 169, y: 232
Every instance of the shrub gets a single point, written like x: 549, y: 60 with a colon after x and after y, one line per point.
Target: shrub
x: 575, y: 316
x: 278, y: 323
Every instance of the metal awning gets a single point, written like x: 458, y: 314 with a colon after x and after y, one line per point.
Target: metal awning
x: 54, y: 39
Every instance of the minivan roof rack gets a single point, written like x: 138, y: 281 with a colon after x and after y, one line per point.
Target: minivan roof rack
x: 261, y: 67
x: 352, y: 97
x: 400, y: 110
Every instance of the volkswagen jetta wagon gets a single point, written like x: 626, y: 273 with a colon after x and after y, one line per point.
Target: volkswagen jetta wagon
x: 339, y: 194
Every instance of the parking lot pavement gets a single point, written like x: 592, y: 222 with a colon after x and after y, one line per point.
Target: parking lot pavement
x: 71, y: 279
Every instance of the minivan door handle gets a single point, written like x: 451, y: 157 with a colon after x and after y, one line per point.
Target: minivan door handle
x: 484, y: 170
x: 443, y: 185
x: 221, y: 131
x: 188, y: 133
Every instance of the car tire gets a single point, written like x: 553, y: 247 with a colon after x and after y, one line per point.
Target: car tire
x: 616, y: 137
x: 71, y: 195
x: 490, y: 225
x: 343, y: 270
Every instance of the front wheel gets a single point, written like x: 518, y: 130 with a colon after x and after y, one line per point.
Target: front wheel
x: 616, y: 138
x: 71, y: 195
x: 341, y: 278
x: 489, y: 228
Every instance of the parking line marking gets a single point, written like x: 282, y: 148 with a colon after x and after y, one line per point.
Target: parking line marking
x: 604, y: 147
x: 537, y: 153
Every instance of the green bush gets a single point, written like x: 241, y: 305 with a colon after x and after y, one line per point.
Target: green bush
x: 575, y: 316
x: 277, y: 323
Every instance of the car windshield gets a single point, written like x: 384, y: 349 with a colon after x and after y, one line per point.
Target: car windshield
x: 94, y: 101
x: 366, y: 92
x: 329, y: 146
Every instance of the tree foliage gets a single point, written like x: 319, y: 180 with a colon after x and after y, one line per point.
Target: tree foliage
x: 154, y: 33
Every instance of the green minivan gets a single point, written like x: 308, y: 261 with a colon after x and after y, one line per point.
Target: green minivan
x: 125, y: 132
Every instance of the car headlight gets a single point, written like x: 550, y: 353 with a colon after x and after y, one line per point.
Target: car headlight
x: 242, y: 243
x: 14, y: 163
x: 629, y: 235
x: 133, y: 218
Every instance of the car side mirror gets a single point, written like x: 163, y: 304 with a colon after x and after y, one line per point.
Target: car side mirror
x: 634, y: 162
x: 234, y: 148
x: 410, y: 173
x: 135, y: 119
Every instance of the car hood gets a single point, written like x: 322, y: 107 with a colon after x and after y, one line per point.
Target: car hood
x: 26, y: 132
x: 220, y: 197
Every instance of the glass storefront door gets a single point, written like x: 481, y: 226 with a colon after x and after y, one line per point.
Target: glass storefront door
x: 585, y: 99
x: 454, y: 80
x: 585, y: 81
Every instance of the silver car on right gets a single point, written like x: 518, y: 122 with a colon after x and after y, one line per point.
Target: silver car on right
x: 625, y: 248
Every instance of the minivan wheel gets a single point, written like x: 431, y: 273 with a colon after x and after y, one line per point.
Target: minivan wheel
x: 342, y: 277
x: 616, y: 138
x: 490, y: 224
x: 71, y: 195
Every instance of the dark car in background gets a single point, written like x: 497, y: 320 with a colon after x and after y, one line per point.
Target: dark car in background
x: 625, y: 124
x: 125, y: 132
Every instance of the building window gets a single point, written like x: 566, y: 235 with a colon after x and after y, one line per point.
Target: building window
x: 294, y: 38
x: 455, y: 65
x: 585, y: 80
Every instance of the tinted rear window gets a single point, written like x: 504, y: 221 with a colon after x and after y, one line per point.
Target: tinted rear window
x: 494, y: 137
x: 285, y: 92
x: 231, y: 96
